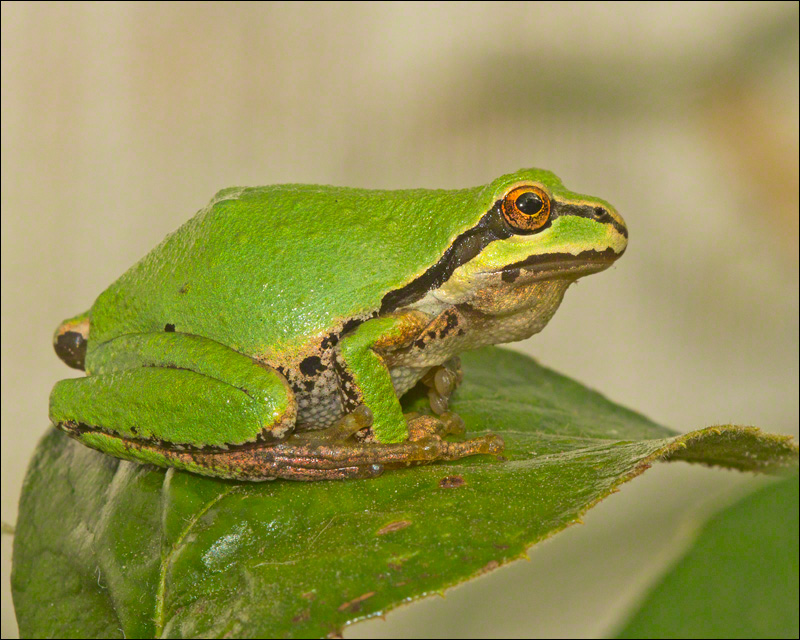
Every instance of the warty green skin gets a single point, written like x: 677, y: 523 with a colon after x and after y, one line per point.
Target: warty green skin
x: 250, y: 320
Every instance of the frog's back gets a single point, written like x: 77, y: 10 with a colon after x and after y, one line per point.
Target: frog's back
x: 265, y: 269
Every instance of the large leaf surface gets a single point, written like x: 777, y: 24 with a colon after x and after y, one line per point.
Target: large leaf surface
x: 738, y: 580
x: 106, y: 548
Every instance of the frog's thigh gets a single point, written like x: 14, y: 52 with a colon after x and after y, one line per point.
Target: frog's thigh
x: 177, y: 388
x: 365, y: 377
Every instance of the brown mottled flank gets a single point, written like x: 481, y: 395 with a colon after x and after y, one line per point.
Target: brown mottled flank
x: 451, y: 482
x: 393, y: 526
x: 355, y: 603
x: 309, y: 595
x: 394, y: 565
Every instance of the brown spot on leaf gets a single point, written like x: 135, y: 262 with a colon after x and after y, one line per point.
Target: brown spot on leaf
x: 355, y: 604
x: 490, y: 566
x: 393, y: 526
x: 304, y: 615
x: 451, y: 482
x: 309, y: 595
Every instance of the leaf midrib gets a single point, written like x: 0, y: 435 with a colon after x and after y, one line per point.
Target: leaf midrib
x: 158, y: 618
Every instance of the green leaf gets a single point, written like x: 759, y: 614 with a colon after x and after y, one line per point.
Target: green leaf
x: 107, y: 548
x: 738, y: 580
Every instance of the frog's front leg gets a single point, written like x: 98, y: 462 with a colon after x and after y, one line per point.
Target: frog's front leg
x: 161, y: 398
x: 396, y: 439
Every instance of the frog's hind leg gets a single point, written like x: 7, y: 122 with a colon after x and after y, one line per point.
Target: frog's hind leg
x: 152, y: 397
x: 336, y: 453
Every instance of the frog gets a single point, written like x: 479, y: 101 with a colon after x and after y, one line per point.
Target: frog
x: 273, y: 334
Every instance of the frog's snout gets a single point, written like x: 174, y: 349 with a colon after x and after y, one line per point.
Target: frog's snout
x: 609, y: 216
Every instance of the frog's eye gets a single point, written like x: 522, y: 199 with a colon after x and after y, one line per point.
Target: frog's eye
x: 526, y: 209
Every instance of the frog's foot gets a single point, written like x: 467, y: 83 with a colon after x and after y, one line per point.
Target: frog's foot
x: 335, y: 453
x: 441, y: 382
x: 421, y: 426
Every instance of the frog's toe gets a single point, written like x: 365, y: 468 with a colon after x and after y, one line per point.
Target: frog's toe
x: 442, y: 382
x: 423, y: 426
x: 310, y: 474
x: 348, y: 425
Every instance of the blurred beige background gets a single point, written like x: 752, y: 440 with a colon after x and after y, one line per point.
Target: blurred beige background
x: 119, y: 121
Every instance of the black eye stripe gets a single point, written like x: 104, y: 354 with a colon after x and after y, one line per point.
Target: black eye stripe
x: 492, y: 226
x: 464, y: 248
x: 600, y: 214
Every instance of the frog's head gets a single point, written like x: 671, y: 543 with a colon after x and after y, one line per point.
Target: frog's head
x: 529, y: 231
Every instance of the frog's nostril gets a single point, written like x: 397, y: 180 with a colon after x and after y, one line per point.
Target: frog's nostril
x: 601, y: 214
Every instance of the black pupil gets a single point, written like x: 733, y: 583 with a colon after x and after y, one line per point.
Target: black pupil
x: 530, y: 203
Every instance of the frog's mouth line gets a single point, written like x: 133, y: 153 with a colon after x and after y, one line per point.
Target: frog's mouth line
x: 567, y: 265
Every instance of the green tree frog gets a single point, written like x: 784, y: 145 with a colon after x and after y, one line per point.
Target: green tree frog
x: 272, y: 335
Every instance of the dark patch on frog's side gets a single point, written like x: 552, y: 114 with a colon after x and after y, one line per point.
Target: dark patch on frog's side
x: 329, y: 341
x: 184, y: 288
x: 451, y: 322
x: 312, y: 365
x: 334, y: 337
x: 350, y: 396
x: 510, y: 275
x: 169, y: 328
x: 297, y: 385
x: 351, y: 324
x: 70, y: 346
